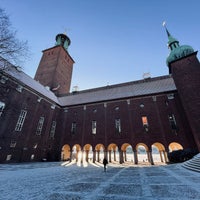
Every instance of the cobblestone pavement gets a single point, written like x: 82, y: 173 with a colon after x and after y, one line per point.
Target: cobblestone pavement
x: 52, y: 181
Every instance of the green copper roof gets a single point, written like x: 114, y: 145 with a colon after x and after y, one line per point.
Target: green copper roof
x: 177, y: 51
x: 63, y: 40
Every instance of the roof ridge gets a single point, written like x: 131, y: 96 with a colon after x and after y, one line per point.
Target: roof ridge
x: 117, y: 85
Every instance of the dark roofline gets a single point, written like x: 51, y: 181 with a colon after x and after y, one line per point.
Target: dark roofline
x: 118, y: 99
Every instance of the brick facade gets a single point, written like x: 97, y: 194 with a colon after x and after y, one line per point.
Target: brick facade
x: 55, y: 70
x: 117, y: 120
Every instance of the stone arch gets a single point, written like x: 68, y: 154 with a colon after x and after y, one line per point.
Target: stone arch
x: 76, y: 152
x: 113, y: 153
x: 100, y: 150
x: 142, y: 153
x: 159, y: 153
x: 127, y: 152
x: 66, y: 153
x: 174, y: 146
x: 87, y: 152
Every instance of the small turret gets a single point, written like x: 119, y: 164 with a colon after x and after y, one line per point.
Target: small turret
x: 176, y: 51
x: 63, y: 40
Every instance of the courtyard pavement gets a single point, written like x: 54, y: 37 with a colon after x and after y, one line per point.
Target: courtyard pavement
x: 62, y: 181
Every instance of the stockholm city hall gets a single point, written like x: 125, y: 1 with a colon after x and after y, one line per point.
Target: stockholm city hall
x: 40, y: 119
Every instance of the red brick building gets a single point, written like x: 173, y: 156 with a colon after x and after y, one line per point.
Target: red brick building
x: 40, y: 119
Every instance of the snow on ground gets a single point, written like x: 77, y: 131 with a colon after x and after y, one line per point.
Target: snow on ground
x: 62, y: 181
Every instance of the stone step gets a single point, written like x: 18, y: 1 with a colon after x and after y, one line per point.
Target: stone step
x: 193, y: 164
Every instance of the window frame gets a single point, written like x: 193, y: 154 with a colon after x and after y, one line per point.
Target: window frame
x: 94, y: 127
x: 145, y: 123
x: 172, y: 122
x: 73, y: 127
x: 118, y: 127
x: 20, y: 121
x: 40, y: 126
x: 53, y: 129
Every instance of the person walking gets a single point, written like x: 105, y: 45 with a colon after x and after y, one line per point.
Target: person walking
x: 105, y: 162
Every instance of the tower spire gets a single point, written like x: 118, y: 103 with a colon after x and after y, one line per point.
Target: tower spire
x: 168, y: 34
x: 176, y: 51
x: 172, y: 42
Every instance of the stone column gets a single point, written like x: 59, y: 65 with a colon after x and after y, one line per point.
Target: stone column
x: 161, y: 158
x: 77, y: 155
x: 135, y: 157
x: 150, y: 157
x: 94, y: 156
x: 98, y: 154
x: 70, y: 158
x: 109, y: 153
x: 165, y: 156
x: 114, y: 152
x: 87, y: 154
x: 105, y: 154
x: 121, y: 160
x: 83, y: 156
x: 125, y: 156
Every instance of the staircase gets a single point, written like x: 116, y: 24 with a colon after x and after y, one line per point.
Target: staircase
x: 193, y: 164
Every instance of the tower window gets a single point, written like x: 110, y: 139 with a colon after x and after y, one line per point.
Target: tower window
x: 53, y: 129
x: 39, y: 126
x: 73, y: 128
x: 20, y: 120
x: 94, y: 127
x: 145, y: 123
x: 118, y: 125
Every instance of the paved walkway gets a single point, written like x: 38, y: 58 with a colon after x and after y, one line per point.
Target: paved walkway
x: 54, y: 182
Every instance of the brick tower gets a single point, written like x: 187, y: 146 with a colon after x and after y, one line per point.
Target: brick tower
x: 56, y: 66
x: 184, y: 67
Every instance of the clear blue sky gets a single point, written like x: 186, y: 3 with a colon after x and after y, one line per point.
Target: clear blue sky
x: 113, y: 41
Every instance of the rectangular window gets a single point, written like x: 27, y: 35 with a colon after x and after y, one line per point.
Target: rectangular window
x: 94, y: 127
x: 13, y: 144
x: 118, y: 125
x: 145, y: 123
x: 2, y: 106
x: 53, y: 129
x: 20, y: 121
x: 172, y: 122
x: 73, y: 128
x: 39, y: 126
